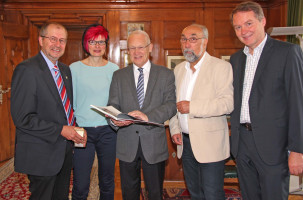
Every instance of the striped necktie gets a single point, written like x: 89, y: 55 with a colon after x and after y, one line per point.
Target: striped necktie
x: 140, y: 87
x: 65, y: 100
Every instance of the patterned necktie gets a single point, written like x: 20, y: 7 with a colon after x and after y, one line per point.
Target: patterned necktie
x: 65, y: 100
x: 140, y: 88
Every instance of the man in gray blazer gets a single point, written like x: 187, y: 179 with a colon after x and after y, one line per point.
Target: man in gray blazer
x: 148, y: 95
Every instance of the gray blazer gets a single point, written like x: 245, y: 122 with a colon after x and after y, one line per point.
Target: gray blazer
x: 159, y: 105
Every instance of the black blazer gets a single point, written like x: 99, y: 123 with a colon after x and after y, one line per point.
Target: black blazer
x: 275, y: 102
x: 39, y: 116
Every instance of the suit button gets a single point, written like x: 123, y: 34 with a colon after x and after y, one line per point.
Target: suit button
x: 137, y: 131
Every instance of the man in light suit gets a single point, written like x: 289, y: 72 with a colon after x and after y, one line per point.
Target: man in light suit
x: 138, y: 143
x: 204, y: 97
x: 43, y: 133
x: 268, y: 118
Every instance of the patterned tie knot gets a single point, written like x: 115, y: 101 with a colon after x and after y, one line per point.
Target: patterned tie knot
x: 140, y: 70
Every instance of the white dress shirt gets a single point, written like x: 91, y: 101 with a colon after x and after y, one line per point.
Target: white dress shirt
x: 146, y: 70
x: 252, y: 61
x: 186, y: 91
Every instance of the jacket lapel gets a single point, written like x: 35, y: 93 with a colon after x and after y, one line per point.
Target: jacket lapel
x: 129, y: 75
x: 48, y: 78
x: 241, y: 73
x: 262, y: 61
x: 153, y: 75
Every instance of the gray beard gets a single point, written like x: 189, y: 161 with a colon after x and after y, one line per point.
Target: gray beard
x: 190, y: 57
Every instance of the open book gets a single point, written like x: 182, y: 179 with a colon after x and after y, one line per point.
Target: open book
x: 112, y: 112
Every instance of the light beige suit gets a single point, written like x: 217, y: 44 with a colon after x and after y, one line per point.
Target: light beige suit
x: 212, y: 99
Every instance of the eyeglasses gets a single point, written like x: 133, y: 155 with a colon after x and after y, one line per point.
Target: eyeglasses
x: 94, y: 42
x: 132, y: 49
x: 191, y: 40
x: 54, y: 39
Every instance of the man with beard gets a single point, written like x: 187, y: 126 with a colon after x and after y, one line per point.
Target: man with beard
x: 204, y: 97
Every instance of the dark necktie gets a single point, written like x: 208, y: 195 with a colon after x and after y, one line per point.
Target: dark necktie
x: 140, y: 87
x: 65, y: 100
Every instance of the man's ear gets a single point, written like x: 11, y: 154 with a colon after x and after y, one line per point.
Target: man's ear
x: 150, y: 47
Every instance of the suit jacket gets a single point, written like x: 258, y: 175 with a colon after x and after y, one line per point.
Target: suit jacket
x: 39, y: 116
x: 159, y: 105
x: 275, y: 102
x: 212, y: 98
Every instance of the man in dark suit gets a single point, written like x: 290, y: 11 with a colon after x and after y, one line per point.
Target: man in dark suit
x: 148, y: 95
x: 44, y: 120
x: 267, y: 122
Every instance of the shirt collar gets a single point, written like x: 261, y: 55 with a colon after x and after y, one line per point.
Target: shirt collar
x: 198, y: 65
x: 50, y: 64
x: 258, y: 48
x: 146, y: 67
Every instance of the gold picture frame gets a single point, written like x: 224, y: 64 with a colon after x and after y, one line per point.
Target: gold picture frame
x: 134, y: 26
x: 226, y: 58
x: 172, y: 61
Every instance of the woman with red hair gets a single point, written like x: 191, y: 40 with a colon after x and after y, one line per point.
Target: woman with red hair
x: 91, y: 81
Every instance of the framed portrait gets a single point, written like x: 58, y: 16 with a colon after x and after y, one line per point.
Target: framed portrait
x: 226, y: 58
x: 172, y: 61
x: 127, y: 60
x: 134, y: 26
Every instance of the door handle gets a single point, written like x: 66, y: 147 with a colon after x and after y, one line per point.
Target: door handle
x: 3, y: 92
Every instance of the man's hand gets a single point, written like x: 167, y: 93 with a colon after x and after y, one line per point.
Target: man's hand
x: 121, y: 123
x: 183, y: 107
x: 138, y: 114
x: 295, y: 163
x: 177, y: 139
x: 70, y: 133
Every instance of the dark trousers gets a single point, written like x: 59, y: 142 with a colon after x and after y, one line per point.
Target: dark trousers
x: 130, y: 173
x: 102, y: 140
x: 257, y: 179
x: 53, y: 187
x: 205, y: 181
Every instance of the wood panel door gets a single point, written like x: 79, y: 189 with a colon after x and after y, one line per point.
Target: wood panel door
x: 14, y: 45
x: 73, y: 50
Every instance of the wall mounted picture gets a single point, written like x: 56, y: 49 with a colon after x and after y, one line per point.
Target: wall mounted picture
x: 172, y: 61
x: 134, y: 26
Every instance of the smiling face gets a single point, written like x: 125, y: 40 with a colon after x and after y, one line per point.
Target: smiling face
x: 249, y: 29
x: 97, y: 50
x: 53, y: 51
x: 139, y: 49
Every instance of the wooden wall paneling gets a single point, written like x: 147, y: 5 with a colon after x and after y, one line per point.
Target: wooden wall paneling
x: 157, y: 36
x: 113, y: 26
x: 225, y: 39
x: 73, y: 50
x: 157, y: 15
x: 209, y: 16
x: 173, y: 166
x: 172, y: 32
x: 199, y: 15
x: 277, y: 17
x: 33, y: 40
x: 13, y: 40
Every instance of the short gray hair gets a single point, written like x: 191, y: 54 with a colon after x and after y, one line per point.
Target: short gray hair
x: 43, y: 29
x: 203, y: 29
x: 138, y: 32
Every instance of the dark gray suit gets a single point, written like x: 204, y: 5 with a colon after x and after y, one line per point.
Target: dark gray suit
x: 159, y: 105
x: 39, y: 116
x: 276, y: 109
